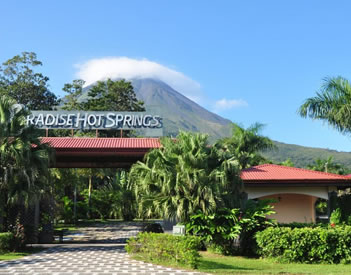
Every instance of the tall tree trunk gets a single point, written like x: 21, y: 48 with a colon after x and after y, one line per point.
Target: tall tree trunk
x: 89, y: 198
x: 36, y: 220
x: 75, y: 203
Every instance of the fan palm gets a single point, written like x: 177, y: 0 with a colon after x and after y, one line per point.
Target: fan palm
x: 332, y: 104
x: 23, y: 159
x: 183, y: 176
x: 246, y: 145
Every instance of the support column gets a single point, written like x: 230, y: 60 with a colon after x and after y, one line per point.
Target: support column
x: 36, y: 220
x: 332, y: 202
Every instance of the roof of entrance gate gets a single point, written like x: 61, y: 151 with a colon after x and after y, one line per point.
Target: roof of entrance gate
x: 76, y: 152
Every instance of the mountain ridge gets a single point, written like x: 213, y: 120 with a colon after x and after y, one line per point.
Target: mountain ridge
x: 181, y: 113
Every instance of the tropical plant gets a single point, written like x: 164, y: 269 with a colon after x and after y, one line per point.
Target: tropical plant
x: 219, y: 230
x: 223, y: 229
x: 183, y: 176
x: 19, y: 81
x: 331, y: 104
x: 23, y: 158
x: 327, y: 165
x: 246, y: 145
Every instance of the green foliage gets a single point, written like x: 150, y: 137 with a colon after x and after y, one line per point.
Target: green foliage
x: 306, y: 245
x: 24, y: 162
x: 220, y: 229
x: 7, y: 240
x: 344, y: 202
x: 327, y: 165
x: 19, y: 81
x: 302, y: 156
x: 67, y: 209
x: 288, y: 163
x: 335, y: 217
x: 331, y: 104
x: 223, y: 229
x: 254, y: 219
x: 183, y: 176
x: 75, y: 91
x: 155, y: 246
x: 303, y: 225
x: 246, y: 145
x: 321, y: 207
x: 113, y: 96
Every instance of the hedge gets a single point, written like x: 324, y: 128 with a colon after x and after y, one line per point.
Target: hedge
x: 306, y: 245
x: 7, y: 241
x: 166, y: 247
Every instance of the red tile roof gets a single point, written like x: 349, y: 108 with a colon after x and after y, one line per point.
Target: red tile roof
x: 273, y: 173
x: 101, y: 143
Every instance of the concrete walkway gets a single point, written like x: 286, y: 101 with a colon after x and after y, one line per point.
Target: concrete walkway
x: 82, y: 259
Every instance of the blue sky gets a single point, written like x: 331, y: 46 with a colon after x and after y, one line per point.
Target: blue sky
x: 246, y: 60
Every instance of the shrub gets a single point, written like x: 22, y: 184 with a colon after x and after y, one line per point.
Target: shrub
x: 7, y: 242
x: 219, y: 230
x: 306, y: 245
x: 335, y: 217
x: 165, y: 247
x: 222, y: 230
x: 254, y: 219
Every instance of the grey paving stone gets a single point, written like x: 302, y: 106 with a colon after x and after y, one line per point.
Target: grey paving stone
x: 83, y: 259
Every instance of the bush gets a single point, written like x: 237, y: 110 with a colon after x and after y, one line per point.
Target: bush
x: 165, y: 247
x: 303, y: 225
x: 219, y: 230
x: 7, y: 242
x: 222, y: 230
x: 306, y: 245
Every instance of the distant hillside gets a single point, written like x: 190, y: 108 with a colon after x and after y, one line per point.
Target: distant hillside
x: 181, y: 113
x: 302, y: 156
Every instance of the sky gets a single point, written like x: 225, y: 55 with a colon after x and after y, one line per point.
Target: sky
x: 248, y: 61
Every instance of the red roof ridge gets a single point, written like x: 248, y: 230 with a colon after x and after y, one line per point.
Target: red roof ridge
x: 296, y: 168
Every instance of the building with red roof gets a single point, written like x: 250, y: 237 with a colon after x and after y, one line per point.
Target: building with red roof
x: 295, y: 190
x: 85, y: 152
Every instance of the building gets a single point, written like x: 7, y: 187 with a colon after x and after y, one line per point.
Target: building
x: 295, y: 190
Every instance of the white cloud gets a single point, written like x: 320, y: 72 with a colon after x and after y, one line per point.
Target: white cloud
x: 128, y: 68
x: 227, y: 104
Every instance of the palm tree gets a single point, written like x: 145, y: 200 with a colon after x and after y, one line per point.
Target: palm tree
x: 23, y: 159
x: 184, y: 176
x: 327, y: 165
x: 246, y: 145
x: 332, y: 104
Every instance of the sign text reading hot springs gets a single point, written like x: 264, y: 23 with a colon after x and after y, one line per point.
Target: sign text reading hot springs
x: 93, y: 120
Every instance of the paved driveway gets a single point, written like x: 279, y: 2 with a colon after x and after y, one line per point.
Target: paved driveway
x: 82, y: 259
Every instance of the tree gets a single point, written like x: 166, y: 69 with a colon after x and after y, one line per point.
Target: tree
x: 184, y: 176
x: 19, y: 81
x: 288, y: 163
x: 246, y: 145
x: 112, y: 95
x: 327, y: 165
x: 75, y: 90
x: 332, y: 104
x: 24, y: 160
x: 106, y: 95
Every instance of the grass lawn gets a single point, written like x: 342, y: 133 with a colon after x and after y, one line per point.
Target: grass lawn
x: 217, y: 264
x: 213, y: 263
x: 17, y: 255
